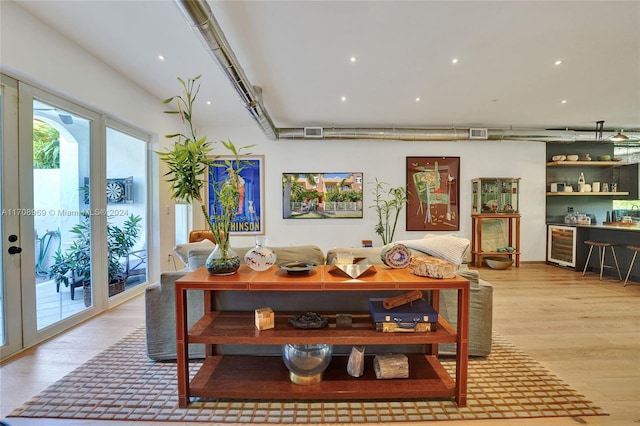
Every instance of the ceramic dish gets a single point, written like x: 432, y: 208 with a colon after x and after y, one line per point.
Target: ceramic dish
x: 498, y: 262
x: 558, y: 158
x: 572, y: 158
x: 298, y: 268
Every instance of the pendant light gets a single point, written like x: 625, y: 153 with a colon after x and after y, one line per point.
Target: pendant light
x: 619, y: 137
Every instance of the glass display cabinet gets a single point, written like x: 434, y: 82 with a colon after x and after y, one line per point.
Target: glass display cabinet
x: 495, y: 195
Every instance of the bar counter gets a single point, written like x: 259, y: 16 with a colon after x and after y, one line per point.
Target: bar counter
x: 622, y: 235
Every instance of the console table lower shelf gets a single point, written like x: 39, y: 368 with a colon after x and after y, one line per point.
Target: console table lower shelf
x: 266, y: 377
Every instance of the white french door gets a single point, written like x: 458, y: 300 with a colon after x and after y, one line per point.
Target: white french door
x: 10, y: 312
x: 48, y: 149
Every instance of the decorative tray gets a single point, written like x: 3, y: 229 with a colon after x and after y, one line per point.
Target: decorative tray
x: 298, y: 268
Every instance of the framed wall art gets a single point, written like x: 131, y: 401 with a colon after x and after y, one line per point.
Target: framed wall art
x: 433, y: 190
x: 249, y: 219
x: 322, y: 195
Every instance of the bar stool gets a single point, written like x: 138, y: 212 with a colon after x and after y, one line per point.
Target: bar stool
x: 602, y: 250
x: 635, y: 250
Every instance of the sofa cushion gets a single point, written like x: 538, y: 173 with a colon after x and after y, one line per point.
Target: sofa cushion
x: 197, y: 258
x: 286, y: 254
x: 372, y: 254
x: 182, y: 250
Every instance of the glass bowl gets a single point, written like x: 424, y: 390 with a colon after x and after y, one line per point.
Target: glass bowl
x: 306, y: 363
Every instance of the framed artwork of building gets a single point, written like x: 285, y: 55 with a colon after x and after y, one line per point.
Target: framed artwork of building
x: 433, y: 190
x: 249, y: 218
x: 322, y: 195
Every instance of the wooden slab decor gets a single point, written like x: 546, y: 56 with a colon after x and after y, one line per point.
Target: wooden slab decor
x: 391, y: 366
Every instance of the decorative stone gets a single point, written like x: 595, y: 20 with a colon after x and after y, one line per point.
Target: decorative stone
x: 355, y: 365
x: 432, y: 267
x: 344, y: 320
x: 309, y: 320
x: 395, y: 255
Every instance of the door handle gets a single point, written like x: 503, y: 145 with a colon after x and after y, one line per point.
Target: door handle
x: 15, y: 250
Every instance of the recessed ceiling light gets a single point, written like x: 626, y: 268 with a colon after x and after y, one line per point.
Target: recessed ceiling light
x: 161, y: 57
x: 344, y: 98
x: 353, y: 59
x: 454, y: 61
x: 558, y: 62
x: 208, y: 102
x: 564, y: 101
x: 418, y: 99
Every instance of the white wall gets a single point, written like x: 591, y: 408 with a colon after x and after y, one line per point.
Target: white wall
x: 27, y: 43
x: 386, y: 161
x: 82, y: 77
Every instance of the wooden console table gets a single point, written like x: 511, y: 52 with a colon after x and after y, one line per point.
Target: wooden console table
x: 266, y: 377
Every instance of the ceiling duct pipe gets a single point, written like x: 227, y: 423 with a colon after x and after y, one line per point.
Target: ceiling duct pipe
x: 200, y: 17
x: 533, y: 135
x: 425, y: 134
x: 444, y: 135
x: 400, y: 134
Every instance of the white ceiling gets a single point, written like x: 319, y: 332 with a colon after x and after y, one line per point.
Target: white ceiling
x: 298, y: 52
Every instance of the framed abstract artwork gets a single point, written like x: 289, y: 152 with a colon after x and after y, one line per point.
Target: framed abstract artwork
x: 249, y: 218
x: 433, y: 190
x: 322, y: 195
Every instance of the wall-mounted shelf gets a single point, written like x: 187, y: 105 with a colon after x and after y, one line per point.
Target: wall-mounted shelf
x: 587, y: 194
x: 587, y: 163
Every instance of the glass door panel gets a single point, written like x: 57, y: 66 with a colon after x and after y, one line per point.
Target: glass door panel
x: 126, y: 198
x: 62, y: 217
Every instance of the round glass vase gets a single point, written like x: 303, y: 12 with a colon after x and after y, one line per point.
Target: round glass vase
x: 306, y: 363
x: 218, y: 265
x: 260, y: 258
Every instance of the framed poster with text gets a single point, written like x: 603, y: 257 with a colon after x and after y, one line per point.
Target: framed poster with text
x: 433, y: 190
x: 249, y: 218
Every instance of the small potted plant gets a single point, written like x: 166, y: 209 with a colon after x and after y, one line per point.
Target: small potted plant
x: 389, y: 203
x: 73, y: 266
x: 189, y: 160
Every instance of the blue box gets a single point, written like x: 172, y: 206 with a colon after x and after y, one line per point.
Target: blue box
x: 417, y: 311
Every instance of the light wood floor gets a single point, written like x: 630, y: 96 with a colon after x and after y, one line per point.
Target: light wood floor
x: 584, y: 330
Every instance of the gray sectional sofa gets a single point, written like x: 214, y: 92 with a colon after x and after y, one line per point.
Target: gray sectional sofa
x: 160, y: 302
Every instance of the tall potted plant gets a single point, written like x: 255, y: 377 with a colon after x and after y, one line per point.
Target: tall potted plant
x: 189, y: 160
x: 389, y: 202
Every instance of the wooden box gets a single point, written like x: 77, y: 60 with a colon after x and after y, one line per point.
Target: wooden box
x: 264, y: 319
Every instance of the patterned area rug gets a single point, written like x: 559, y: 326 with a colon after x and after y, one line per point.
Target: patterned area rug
x: 121, y: 383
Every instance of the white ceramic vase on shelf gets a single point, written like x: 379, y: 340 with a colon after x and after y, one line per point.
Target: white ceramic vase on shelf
x: 260, y: 258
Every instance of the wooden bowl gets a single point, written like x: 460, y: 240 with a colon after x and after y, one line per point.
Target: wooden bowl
x: 499, y: 262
